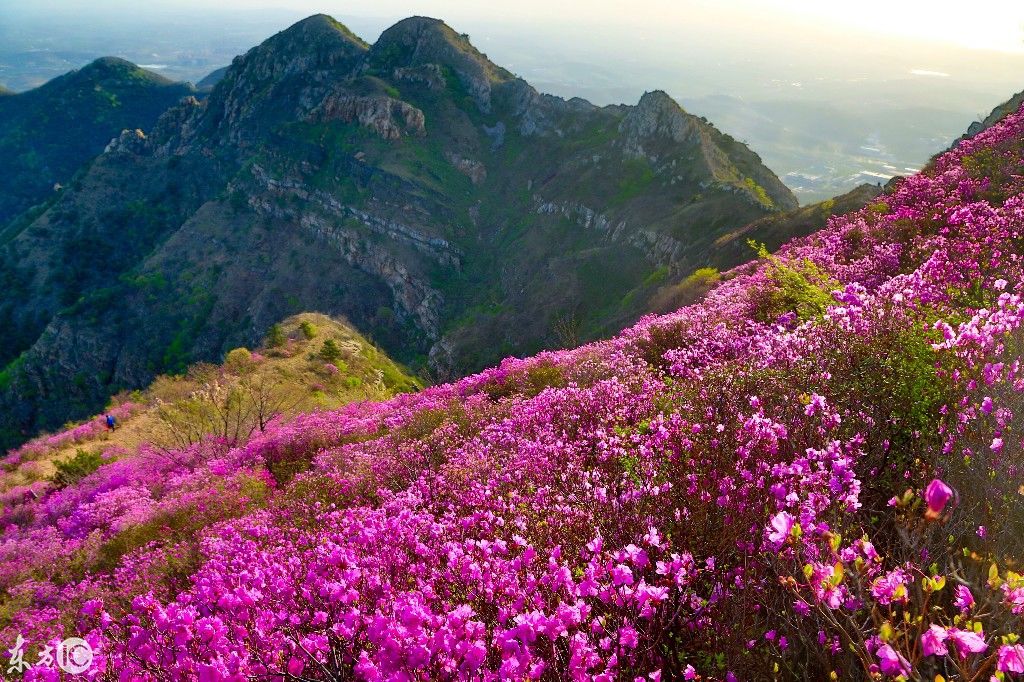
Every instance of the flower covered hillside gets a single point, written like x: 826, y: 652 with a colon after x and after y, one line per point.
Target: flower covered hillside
x: 815, y: 473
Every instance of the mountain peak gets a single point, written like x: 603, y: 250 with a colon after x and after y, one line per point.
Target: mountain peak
x: 323, y: 26
x: 315, y: 41
x: 264, y: 86
x: 418, y: 24
x: 48, y: 132
x: 658, y: 128
x: 658, y: 100
x: 657, y: 114
x: 415, y: 29
x: 111, y: 63
x: 419, y: 40
x: 423, y: 40
x: 116, y: 67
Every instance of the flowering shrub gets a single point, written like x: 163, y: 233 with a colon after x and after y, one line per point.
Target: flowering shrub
x: 86, y: 431
x: 814, y: 473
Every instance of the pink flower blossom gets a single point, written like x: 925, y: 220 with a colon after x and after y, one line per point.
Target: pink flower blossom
x: 933, y: 641
x: 891, y: 587
x: 892, y: 662
x: 936, y: 496
x: 964, y: 599
x: 1011, y: 659
x: 782, y: 525
x: 967, y: 641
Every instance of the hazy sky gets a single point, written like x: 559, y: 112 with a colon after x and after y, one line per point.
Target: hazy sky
x: 984, y: 24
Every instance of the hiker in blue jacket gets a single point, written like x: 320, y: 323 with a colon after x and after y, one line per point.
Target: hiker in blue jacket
x: 111, y: 422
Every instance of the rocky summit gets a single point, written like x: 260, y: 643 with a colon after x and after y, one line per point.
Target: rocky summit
x: 451, y: 212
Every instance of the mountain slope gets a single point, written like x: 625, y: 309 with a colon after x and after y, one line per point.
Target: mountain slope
x: 812, y: 474
x: 775, y: 230
x: 1008, y: 107
x: 207, y: 83
x: 445, y: 207
x: 309, y: 362
x: 739, y: 245
x: 48, y: 133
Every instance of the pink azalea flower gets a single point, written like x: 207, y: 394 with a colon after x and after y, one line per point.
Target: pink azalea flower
x: 933, y: 641
x: 964, y: 599
x: 1014, y: 598
x: 816, y: 404
x: 891, y: 587
x: 936, y: 496
x: 967, y: 642
x: 892, y: 662
x: 782, y: 523
x: 1011, y: 659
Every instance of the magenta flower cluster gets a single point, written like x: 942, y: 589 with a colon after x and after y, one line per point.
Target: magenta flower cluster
x: 83, y: 432
x: 732, y: 491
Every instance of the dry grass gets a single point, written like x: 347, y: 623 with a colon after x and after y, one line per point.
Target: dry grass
x: 364, y: 373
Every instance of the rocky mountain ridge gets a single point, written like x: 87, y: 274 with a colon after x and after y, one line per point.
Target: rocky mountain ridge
x: 443, y: 205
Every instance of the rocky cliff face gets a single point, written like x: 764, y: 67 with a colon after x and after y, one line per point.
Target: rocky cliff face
x: 444, y: 206
x: 656, y: 118
x: 388, y: 117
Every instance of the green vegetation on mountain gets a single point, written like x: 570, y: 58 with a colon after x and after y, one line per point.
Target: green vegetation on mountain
x: 48, y: 133
x: 206, y: 84
x: 446, y: 208
x: 284, y: 375
x: 665, y: 293
x: 775, y: 230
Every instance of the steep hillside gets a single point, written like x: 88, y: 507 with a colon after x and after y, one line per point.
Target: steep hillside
x: 775, y: 230
x: 666, y: 294
x: 999, y: 113
x: 813, y: 474
x: 441, y: 204
x: 309, y: 362
x: 48, y: 133
x: 211, y: 79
